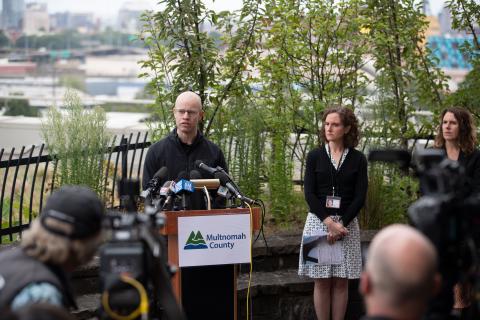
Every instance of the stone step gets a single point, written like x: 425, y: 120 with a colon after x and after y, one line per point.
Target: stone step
x: 278, y: 252
x: 281, y: 252
x: 274, y: 295
x: 283, y: 294
x: 87, y: 306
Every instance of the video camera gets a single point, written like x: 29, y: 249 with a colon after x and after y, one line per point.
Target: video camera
x: 449, y: 215
x: 134, y: 271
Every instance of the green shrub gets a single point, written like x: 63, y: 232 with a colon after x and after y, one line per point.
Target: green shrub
x: 19, y: 107
x: 79, y: 140
x: 390, y: 193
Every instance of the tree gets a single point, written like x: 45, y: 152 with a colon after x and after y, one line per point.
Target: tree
x: 4, y: 41
x: 183, y: 55
x: 19, y: 107
x: 277, y: 65
x: 406, y: 78
x: 465, y: 16
x: 313, y: 53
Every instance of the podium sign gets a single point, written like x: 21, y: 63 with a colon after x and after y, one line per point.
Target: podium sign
x: 214, y: 240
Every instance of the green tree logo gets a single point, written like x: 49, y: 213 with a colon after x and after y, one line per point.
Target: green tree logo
x: 195, y: 241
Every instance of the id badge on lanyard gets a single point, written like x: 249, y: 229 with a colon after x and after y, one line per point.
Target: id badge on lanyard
x: 333, y: 202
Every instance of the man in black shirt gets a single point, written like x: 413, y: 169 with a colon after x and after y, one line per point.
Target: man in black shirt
x: 207, y: 292
x: 400, y: 274
x: 185, y: 144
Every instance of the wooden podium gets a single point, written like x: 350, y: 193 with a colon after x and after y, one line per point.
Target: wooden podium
x: 171, y: 230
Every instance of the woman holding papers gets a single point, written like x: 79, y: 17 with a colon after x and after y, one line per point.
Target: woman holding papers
x: 335, y: 189
x: 458, y: 137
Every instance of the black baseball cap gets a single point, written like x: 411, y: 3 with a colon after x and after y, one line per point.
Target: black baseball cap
x: 75, y: 212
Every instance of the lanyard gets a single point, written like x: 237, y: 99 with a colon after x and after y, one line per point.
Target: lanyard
x: 336, y: 169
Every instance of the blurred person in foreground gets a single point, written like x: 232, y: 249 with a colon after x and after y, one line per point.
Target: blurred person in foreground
x: 65, y: 236
x: 38, y: 311
x: 457, y: 135
x: 400, y: 275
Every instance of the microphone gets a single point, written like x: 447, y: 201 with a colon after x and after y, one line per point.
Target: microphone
x: 227, y: 182
x: 195, y: 175
x: 199, y: 164
x: 208, y: 183
x: 154, y: 184
x: 170, y: 192
x: 183, y: 188
x: 164, y: 190
x: 223, y: 191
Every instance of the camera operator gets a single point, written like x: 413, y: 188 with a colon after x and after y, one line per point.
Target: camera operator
x: 65, y: 236
x: 400, y: 274
x: 458, y: 137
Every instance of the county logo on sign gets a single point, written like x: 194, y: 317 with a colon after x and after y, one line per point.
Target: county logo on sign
x: 195, y: 241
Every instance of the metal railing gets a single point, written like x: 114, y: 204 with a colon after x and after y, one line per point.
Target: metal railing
x: 27, y: 176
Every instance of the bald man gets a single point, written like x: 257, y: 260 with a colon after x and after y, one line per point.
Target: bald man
x: 400, y: 275
x: 185, y: 144
x: 207, y: 292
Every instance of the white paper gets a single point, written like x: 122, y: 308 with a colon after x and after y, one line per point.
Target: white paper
x: 330, y: 254
x: 320, y: 251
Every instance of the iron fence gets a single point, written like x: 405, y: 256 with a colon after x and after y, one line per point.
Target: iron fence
x: 28, y: 176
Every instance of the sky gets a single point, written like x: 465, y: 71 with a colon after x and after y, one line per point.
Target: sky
x: 109, y: 8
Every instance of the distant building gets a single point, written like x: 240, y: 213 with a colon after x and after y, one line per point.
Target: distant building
x: 12, y: 14
x: 448, y: 52
x: 82, y: 22
x: 426, y: 8
x: 17, y: 131
x: 36, y: 19
x: 445, y: 21
x: 16, y: 69
x: 433, y: 27
x: 59, y: 21
x: 129, y: 16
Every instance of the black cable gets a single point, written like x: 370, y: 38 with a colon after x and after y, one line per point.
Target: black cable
x: 261, y: 231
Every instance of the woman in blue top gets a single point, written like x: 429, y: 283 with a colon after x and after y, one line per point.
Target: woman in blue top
x: 335, y: 190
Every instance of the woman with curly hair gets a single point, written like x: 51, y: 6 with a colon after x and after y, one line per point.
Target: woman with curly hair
x: 335, y: 189
x: 457, y: 135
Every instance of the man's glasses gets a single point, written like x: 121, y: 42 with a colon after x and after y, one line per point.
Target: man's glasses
x: 183, y: 111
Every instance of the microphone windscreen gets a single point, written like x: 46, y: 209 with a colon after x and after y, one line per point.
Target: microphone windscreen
x: 198, y: 163
x: 162, y: 173
x: 222, y: 177
x: 182, y: 175
x: 195, y: 174
x: 166, y: 187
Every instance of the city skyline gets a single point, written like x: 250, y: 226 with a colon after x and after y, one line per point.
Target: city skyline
x: 110, y: 8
